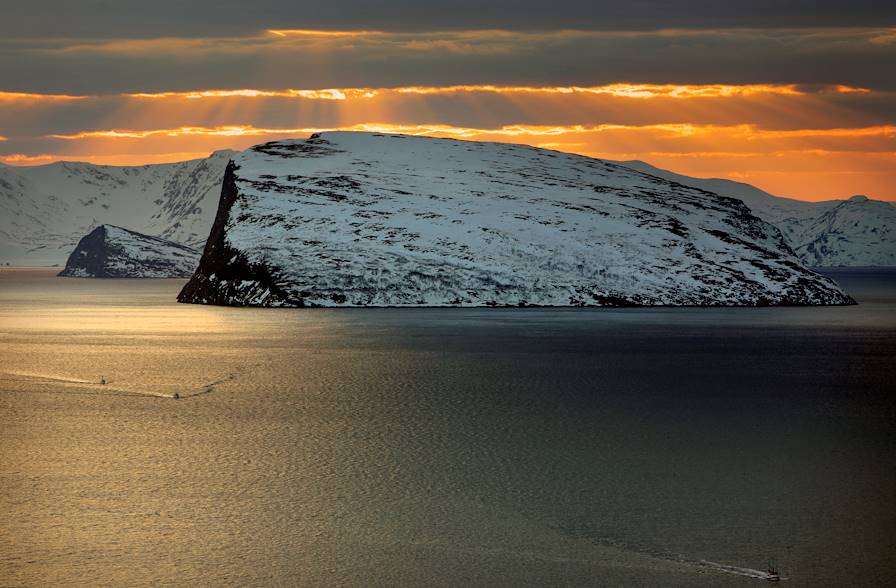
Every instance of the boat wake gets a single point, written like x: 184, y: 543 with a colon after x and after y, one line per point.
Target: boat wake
x: 578, y: 528
x: 748, y: 572
x: 24, y: 376
x: 720, y: 567
x: 103, y: 387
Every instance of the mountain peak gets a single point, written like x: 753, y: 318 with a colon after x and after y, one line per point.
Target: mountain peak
x: 222, y: 153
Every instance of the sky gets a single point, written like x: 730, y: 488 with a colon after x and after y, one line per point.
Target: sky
x: 796, y: 97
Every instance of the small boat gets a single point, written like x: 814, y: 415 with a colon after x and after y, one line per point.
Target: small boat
x: 772, y: 574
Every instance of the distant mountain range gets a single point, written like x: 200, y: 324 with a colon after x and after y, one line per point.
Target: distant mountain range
x: 45, y: 210
x: 854, y: 232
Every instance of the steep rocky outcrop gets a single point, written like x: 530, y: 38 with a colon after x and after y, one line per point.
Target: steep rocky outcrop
x: 113, y: 252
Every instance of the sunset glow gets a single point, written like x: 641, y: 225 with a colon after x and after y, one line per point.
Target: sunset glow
x: 470, y: 293
x: 745, y: 132
x: 323, y: 94
x: 316, y: 33
x: 793, y: 134
x: 30, y: 97
x: 620, y: 90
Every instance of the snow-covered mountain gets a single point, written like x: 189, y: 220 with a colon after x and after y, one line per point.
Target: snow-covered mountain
x: 113, y: 252
x: 45, y: 210
x: 366, y: 219
x: 853, y: 232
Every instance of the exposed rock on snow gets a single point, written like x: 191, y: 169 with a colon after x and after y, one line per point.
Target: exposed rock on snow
x: 113, y: 252
x: 854, y: 232
x: 362, y: 219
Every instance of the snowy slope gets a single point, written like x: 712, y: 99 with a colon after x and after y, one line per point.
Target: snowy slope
x: 358, y: 219
x: 854, y: 232
x: 45, y: 210
x: 113, y: 252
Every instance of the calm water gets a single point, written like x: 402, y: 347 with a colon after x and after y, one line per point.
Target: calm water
x: 441, y: 447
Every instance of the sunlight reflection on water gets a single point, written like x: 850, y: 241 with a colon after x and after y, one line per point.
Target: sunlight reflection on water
x: 439, y: 447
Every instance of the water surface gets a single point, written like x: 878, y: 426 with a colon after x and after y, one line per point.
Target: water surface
x: 441, y: 447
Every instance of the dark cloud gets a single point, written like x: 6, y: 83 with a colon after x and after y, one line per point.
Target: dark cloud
x: 855, y: 57
x: 186, y: 18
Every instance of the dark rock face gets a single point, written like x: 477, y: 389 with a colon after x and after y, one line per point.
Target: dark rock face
x: 113, y: 252
x: 227, y: 265
x: 364, y: 219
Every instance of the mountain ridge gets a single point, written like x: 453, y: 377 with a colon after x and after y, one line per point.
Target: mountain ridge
x: 852, y: 232
x: 372, y: 219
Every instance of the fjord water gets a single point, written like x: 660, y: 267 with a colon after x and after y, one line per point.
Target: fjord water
x: 448, y: 447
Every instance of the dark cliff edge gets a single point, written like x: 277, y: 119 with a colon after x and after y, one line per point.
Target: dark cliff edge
x: 109, y: 251
x: 89, y: 257
x: 221, y: 266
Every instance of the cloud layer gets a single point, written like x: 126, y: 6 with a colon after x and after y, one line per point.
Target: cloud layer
x: 209, y: 18
x: 799, y: 99
x: 277, y: 58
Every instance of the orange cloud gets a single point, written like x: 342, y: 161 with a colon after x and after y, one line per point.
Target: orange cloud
x: 745, y: 132
x: 321, y: 33
x: 27, y: 97
x: 222, y: 131
x: 884, y: 38
x: 22, y: 159
x: 841, y: 89
x: 619, y: 90
x: 888, y: 131
x: 322, y: 94
x: 435, y: 129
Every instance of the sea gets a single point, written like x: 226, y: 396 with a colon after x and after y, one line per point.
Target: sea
x: 149, y: 443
